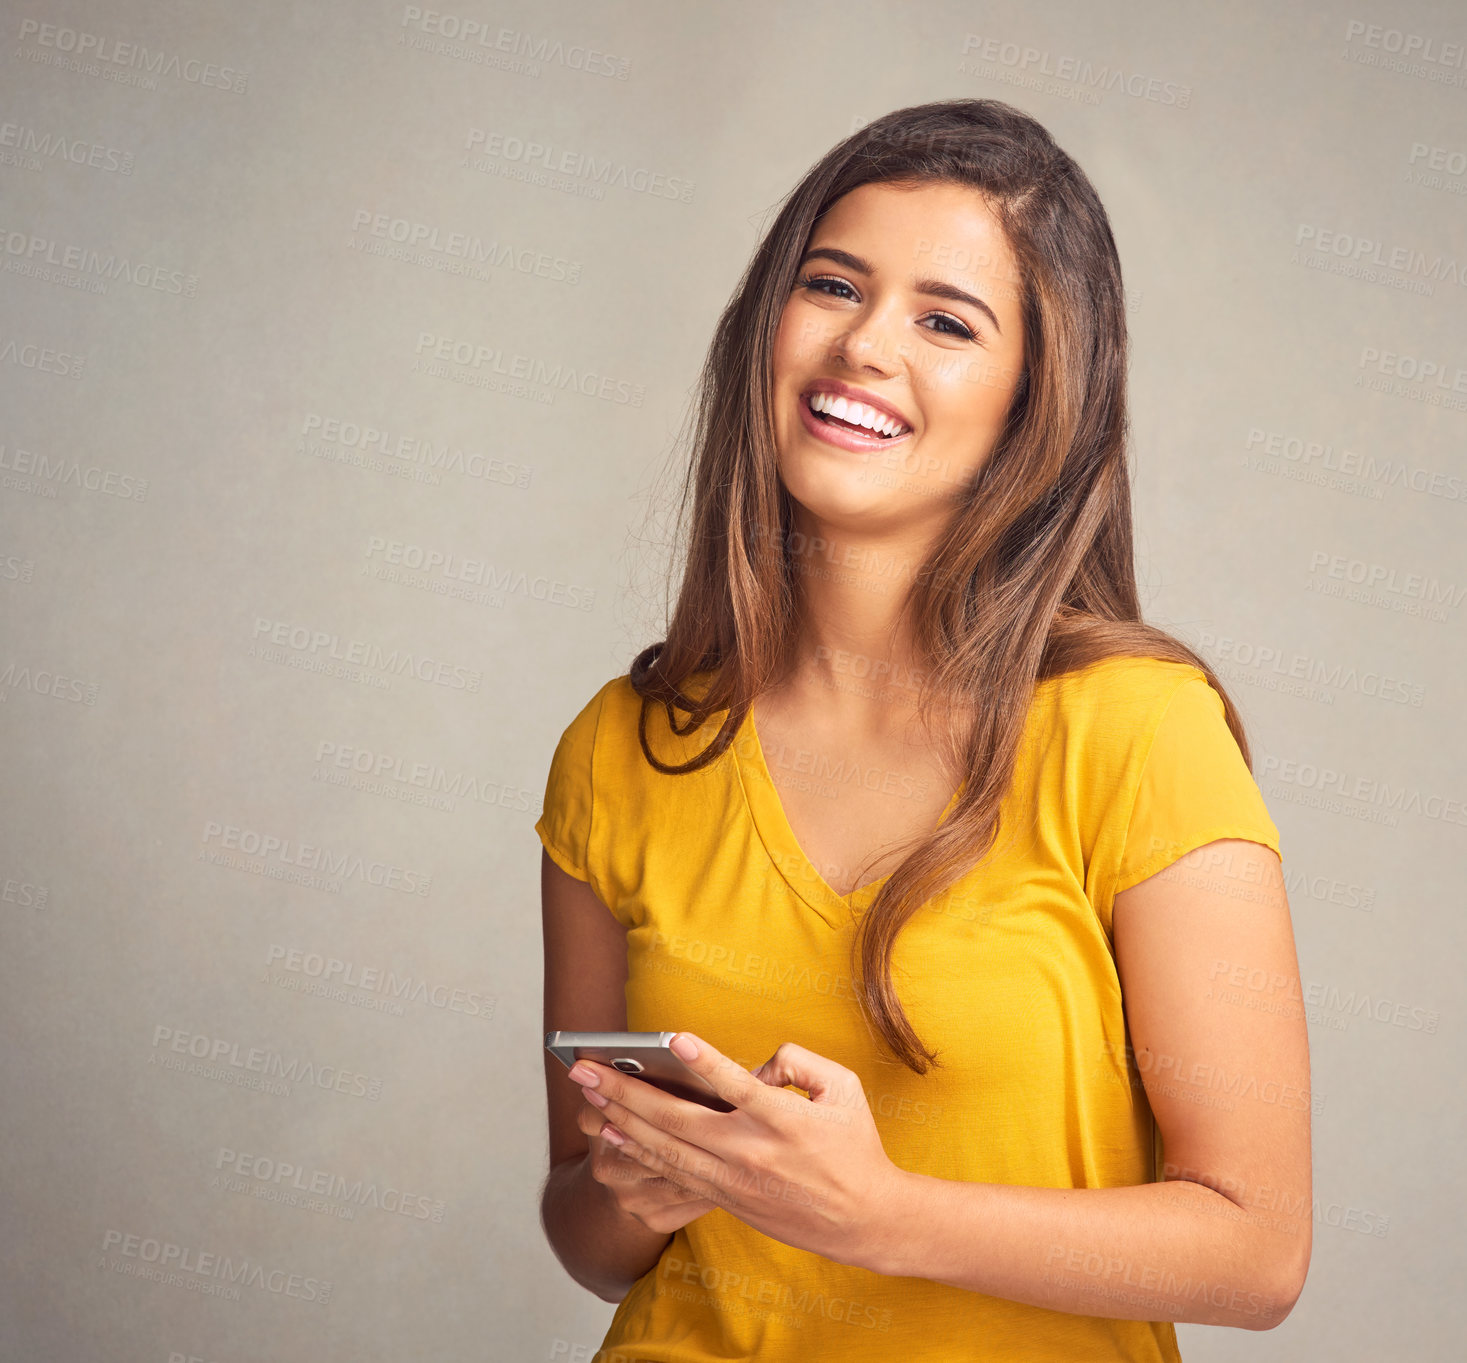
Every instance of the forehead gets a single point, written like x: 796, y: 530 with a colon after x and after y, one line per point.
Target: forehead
x: 908, y: 230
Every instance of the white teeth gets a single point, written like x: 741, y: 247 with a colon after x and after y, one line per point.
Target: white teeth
x: 856, y: 414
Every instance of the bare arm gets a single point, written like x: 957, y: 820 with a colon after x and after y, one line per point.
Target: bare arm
x: 1214, y: 1008
x: 1215, y: 1012
x: 602, y: 1247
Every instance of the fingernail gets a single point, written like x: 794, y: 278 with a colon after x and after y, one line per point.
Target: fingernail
x: 684, y: 1047
x: 593, y: 1097
x: 583, y: 1074
x: 610, y: 1133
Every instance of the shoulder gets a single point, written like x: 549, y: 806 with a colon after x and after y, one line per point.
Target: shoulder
x: 582, y: 728
x: 611, y: 718
x: 1099, y: 723
x: 1118, y: 695
x: 580, y: 746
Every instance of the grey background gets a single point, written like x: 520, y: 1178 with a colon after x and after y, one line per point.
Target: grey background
x: 170, y: 501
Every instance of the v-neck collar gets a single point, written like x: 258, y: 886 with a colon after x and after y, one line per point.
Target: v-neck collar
x: 773, y: 825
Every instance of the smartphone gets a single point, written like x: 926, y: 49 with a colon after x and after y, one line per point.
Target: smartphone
x: 643, y: 1055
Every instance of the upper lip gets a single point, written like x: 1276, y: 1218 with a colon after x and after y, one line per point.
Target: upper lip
x: 847, y: 390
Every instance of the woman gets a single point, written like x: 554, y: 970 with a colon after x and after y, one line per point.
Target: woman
x: 952, y: 870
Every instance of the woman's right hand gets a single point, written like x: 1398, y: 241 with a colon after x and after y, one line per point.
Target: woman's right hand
x: 656, y: 1202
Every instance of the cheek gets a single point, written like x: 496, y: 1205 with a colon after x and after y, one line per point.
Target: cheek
x: 802, y: 336
x: 969, y: 409
x: 963, y: 423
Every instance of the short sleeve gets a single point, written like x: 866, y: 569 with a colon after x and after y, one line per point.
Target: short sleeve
x: 564, y: 825
x: 1194, y: 788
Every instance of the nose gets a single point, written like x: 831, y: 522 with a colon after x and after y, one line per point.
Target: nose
x: 865, y: 343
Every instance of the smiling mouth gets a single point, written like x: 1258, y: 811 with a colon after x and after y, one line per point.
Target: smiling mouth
x: 854, y: 416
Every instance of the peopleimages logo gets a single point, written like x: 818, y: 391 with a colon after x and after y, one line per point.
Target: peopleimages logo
x: 1402, y: 259
x: 574, y: 163
x: 418, y: 781
x: 1382, y: 585
x: 1248, y: 660
x: 323, y: 650
x: 96, y: 53
x: 465, y: 246
x: 45, y: 681
x: 173, y: 1263
x: 266, y: 1175
x: 1377, y: 471
x: 46, y: 256
x: 64, y: 471
x: 1337, y: 790
x: 435, y: 353
x: 32, y: 146
x: 332, y: 972
x: 259, y: 849
x: 44, y: 359
x: 1271, y: 991
x: 332, y: 437
x: 211, y: 1056
x: 448, y: 573
x: 492, y: 40
x: 1408, y: 46
x: 984, y: 55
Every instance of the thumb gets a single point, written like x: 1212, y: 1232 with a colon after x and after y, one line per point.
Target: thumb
x: 823, y: 1079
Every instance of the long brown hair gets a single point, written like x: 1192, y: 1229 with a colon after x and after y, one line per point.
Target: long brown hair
x: 1034, y: 575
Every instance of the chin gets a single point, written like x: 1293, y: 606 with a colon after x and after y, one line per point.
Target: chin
x: 842, y: 495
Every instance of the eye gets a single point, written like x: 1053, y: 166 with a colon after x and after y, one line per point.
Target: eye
x: 812, y: 284
x: 810, y: 281
x: 964, y: 332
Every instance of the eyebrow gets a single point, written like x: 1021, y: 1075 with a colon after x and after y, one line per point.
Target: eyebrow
x: 933, y: 288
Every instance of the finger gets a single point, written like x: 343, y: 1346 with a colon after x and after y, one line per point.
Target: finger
x: 674, y: 1155
x: 589, y: 1120
x: 695, y: 1179
x: 661, y: 1182
x: 609, y: 1161
x: 827, y: 1082
x: 622, y: 1093
x: 592, y: 1123
x: 727, y: 1078
x: 669, y: 1188
x: 692, y: 1167
x: 625, y: 1171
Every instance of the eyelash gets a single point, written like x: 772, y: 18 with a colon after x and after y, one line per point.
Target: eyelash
x: 967, y: 333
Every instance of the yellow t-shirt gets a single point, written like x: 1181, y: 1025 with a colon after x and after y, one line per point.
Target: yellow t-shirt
x: 1125, y: 766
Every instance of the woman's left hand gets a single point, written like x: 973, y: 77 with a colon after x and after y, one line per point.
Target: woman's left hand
x: 810, y: 1172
